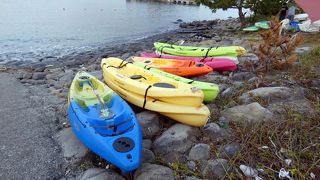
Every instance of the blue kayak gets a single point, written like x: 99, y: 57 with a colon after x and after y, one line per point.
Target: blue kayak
x: 104, y: 122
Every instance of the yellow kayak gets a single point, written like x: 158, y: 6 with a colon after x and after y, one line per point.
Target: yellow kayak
x: 146, y: 83
x: 194, y: 116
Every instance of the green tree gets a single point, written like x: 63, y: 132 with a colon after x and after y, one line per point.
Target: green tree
x: 257, y: 7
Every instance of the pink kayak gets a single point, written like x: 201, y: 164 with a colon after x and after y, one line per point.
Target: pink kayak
x: 216, y: 63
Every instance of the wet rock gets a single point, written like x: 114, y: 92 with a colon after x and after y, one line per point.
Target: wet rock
x: 147, y: 156
x: 229, y: 150
x: 147, y: 143
x: 216, y: 169
x: 192, y: 165
x: 175, y: 142
x: 149, y: 122
x: 200, y: 152
x: 27, y: 75
x: 72, y: 148
x: 38, y: 76
x: 215, y: 132
x: 100, y: 174
x: 253, y: 112
x: 183, y: 25
x: 153, y: 171
x: 270, y: 94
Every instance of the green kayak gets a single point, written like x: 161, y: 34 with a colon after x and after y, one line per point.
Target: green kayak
x: 209, y: 90
x: 263, y: 24
x: 251, y: 29
x: 199, y: 51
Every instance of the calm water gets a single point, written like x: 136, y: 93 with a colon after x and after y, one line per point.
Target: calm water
x: 31, y: 29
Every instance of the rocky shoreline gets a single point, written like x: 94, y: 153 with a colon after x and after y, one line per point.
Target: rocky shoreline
x: 173, y: 150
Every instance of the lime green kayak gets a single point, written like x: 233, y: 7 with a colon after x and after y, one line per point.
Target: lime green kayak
x: 209, y: 90
x: 251, y: 29
x: 199, y: 51
x: 263, y: 24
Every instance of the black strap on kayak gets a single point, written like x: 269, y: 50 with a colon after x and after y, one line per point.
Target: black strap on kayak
x: 145, y: 96
x: 122, y: 64
x: 190, y: 82
x: 209, y: 49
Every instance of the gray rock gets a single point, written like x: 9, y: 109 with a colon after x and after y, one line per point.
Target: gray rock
x: 218, y: 79
x: 200, y: 152
x: 38, y: 76
x: 215, y: 132
x: 147, y: 156
x: 125, y: 56
x: 53, y: 76
x: 67, y: 78
x: 153, y: 171
x: 300, y: 107
x: 149, y: 122
x: 253, y: 80
x: 175, y: 142
x: 97, y: 74
x: 229, y: 150
x: 243, y: 76
x: 270, y: 94
x: 93, y: 67
x: 147, y: 143
x: 216, y: 169
x: 71, y: 147
x: 253, y: 112
x: 228, y: 92
x: 32, y: 81
x: 100, y: 174
x: 192, y: 165
x: 39, y: 69
x: 192, y: 178
x: 303, y: 50
x: 27, y: 75
x: 248, y: 57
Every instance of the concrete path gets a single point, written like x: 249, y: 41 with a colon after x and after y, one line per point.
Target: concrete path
x: 27, y: 150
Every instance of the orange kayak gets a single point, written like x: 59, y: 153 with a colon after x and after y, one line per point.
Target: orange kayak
x: 177, y: 67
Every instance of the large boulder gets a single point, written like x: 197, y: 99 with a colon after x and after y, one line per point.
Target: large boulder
x: 250, y: 113
x: 280, y: 99
x: 72, y: 148
x: 175, y: 142
x: 149, y: 122
x: 269, y: 94
x: 153, y: 171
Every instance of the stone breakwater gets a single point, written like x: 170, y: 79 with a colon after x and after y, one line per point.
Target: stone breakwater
x: 172, y: 150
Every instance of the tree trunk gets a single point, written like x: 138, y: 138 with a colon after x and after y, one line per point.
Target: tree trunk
x: 240, y: 12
